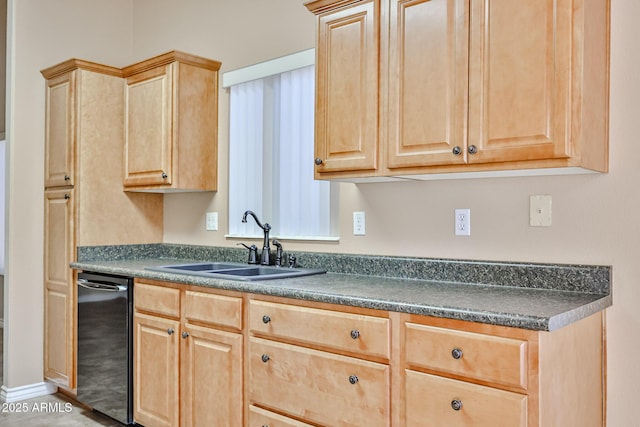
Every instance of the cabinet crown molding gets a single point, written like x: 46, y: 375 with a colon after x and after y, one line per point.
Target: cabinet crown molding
x: 168, y: 58
x: 74, y: 64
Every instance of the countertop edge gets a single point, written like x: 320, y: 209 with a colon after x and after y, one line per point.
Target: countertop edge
x: 276, y: 288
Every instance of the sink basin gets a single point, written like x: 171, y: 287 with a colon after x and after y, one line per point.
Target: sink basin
x: 236, y: 271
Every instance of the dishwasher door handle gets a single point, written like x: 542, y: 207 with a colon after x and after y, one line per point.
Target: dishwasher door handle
x: 107, y: 287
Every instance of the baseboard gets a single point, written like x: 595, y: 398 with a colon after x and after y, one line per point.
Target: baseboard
x: 17, y: 394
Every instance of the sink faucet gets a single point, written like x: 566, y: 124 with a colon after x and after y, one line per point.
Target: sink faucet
x: 266, y: 250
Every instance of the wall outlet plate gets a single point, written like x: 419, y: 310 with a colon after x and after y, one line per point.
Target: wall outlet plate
x: 463, y: 222
x: 212, y: 221
x: 358, y: 224
x: 540, y: 211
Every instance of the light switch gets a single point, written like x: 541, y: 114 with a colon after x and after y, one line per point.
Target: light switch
x: 540, y: 211
x: 212, y: 221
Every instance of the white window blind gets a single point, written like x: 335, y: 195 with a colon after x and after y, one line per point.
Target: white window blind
x: 271, y: 158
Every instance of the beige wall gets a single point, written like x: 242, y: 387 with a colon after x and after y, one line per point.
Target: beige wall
x: 42, y: 33
x: 592, y: 215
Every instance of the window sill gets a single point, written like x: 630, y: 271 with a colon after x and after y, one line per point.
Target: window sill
x: 287, y: 238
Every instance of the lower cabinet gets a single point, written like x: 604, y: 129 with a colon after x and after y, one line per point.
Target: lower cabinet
x: 187, y: 357
x: 216, y: 358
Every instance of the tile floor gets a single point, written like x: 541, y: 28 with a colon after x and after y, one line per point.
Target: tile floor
x: 55, y: 410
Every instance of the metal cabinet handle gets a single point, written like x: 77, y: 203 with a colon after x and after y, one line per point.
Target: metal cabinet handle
x: 164, y: 175
x: 185, y: 334
x: 355, y: 334
x: 456, y: 353
x: 265, y: 358
x: 266, y: 319
x: 456, y: 404
x: 67, y: 197
x: 457, y: 150
x: 353, y: 379
x: 472, y: 149
x: 170, y: 331
x: 318, y: 161
x: 67, y: 178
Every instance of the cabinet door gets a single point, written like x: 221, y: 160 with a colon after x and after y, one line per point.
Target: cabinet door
x: 60, y: 135
x: 148, y: 129
x: 519, y: 87
x: 428, y: 82
x: 347, y: 89
x: 156, y: 370
x: 211, y: 377
x: 59, y: 307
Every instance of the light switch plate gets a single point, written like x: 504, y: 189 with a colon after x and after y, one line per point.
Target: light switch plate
x: 540, y: 211
x: 212, y: 221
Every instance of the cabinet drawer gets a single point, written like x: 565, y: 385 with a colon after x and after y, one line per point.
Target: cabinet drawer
x: 323, y: 388
x: 361, y: 334
x: 156, y: 299
x: 216, y: 310
x: 259, y: 417
x: 430, y: 402
x: 484, y: 357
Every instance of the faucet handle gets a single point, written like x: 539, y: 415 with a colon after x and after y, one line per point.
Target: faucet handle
x: 253, y: 253
x: 292, y: 261
x: 278, y: 260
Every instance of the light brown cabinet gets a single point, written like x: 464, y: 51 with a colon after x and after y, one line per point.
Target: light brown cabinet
x: 319, y: 366
x: 187, y: 357
x: 84, y: 201
x: 299, y: 363
x: 171, y: 124
x: 460, y: 86
x: 462, y: 374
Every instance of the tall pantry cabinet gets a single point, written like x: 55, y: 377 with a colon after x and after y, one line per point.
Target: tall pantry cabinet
x: 84, y: 201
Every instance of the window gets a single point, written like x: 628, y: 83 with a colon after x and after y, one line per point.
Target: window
x: 271, y: 156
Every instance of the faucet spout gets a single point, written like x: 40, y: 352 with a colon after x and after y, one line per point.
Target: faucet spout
x: 266, y: 250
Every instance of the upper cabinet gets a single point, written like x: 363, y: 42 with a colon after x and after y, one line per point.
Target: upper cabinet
x: 171, y: 124
x: 460, y: 86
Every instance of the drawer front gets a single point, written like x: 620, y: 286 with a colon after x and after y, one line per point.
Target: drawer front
x: 320, y: 387
x: 156, y: 299
x: 364, y: 335
x: 431, y: 400
x: 211, y: 309
x: 260, y: 418
x: 488, y: 358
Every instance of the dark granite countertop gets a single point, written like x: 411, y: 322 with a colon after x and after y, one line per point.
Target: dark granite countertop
x: 529, y: 296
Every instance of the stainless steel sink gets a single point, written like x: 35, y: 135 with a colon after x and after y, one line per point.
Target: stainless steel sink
x: 236, y: 271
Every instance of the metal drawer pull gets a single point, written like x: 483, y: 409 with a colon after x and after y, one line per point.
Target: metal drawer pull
x: 265, y: 358
x: 164, y: 175
x: 456, y: 404
x: 266, y: 319
x: 355, y: 334
x: 456, y: 353
x: 170, y: 331
x: 353, y: 379
x: 185, y: 334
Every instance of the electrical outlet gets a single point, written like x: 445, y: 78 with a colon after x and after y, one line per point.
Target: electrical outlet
x: 463, y: 222
x: 358, y: 224
x: 212, y: 221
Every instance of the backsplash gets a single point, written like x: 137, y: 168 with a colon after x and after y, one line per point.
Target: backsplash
x: 563, y: 277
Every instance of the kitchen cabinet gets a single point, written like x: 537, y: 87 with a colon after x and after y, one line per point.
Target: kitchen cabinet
x: 84, y: 201
x: 59, y: 301
x: 464, y: 374
x: 171, y: 124
x: 319, y: 366
x: 461, y: 86
x: 187, y: 357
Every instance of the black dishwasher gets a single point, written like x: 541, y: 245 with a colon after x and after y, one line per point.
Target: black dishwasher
x: 105, y: 344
